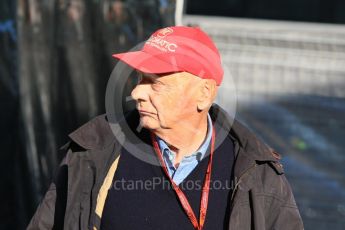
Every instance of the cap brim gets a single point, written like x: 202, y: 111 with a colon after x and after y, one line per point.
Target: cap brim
x: 145, y: 62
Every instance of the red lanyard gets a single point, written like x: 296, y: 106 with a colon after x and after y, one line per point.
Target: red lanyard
x: 205, y: 189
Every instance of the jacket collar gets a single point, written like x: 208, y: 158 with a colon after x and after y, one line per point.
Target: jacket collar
x: 248, y: 142
x: 97, y: 135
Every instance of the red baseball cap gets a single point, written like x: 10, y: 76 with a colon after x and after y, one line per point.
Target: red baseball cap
x: 177, y: 49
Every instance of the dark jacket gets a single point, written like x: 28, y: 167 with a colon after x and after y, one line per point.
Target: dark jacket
x: 261, y: 199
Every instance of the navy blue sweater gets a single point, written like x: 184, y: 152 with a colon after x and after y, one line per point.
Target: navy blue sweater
x: 142, y: 197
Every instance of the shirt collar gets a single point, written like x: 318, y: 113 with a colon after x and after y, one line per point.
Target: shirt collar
x: 202, y: 149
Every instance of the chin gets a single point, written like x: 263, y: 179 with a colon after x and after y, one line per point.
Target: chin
x: 149, y: 123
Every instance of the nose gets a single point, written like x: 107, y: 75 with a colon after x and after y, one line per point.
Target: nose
x: 140, y: 92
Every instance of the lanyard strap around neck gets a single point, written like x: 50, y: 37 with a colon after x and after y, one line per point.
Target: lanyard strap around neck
x: 198, y: 225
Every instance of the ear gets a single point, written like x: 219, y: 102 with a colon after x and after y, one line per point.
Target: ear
x: 208, y: 92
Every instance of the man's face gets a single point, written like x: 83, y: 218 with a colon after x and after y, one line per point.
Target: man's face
x: 166, y: 100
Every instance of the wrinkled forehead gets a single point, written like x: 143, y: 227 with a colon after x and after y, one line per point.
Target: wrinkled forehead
x: 174, y: 77
x: 148, y: 75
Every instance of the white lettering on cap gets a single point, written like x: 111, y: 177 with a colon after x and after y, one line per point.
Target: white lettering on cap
x: 164, y: 32
x: 160, y: 43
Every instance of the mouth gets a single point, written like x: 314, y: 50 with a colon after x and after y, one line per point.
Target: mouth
x: 144, y: 112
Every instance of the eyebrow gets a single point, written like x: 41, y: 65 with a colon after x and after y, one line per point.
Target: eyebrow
x: 153, y: 77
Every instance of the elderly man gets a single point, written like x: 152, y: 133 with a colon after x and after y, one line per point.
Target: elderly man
x: 193, y: 142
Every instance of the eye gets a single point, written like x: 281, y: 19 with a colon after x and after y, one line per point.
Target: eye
x: 150, y: 80
x: 157, y: 85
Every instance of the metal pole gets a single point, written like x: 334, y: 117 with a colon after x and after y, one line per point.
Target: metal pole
x: 179, y: 12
